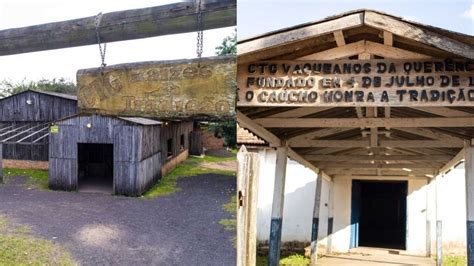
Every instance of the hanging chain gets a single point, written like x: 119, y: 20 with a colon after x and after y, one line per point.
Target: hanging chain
x: 200, y: 35
x: 98, y: 19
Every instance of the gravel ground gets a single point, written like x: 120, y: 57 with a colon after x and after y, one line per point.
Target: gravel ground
x: 179, y: 229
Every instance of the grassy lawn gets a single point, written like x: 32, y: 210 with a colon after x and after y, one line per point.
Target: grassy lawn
x: 191, y: 167
x: 295, y: 259
x: 18, y: 247
x: 36, y: 178
x: 454, y: 260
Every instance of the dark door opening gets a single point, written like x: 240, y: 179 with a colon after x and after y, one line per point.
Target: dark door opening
x: 381, y: 213
x: 95, y: 167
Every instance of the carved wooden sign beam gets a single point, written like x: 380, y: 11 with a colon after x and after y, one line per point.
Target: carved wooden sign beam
x: 370, y: 83
x: 182, y: 89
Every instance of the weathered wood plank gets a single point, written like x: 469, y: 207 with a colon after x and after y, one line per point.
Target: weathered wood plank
x: 365, y: 122
x: 311, y: 31
x: 347, y: 83
x: 343, y: 158
x: 119, y: 26
x: 183, y: 89
x: 382, y: 143
x: 410, y: 31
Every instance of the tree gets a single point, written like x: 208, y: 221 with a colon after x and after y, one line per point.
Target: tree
x: 227, y: 129
x: 61, y: 85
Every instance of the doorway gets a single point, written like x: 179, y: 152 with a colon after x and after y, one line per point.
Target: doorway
x: 95, y: 167
x: 379, y: 214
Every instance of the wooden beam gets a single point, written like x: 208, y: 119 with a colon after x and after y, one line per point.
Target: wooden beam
x: 119, y: 26
x: 365, y: 122
x: 339, y: 37
x: 339, y: 52
x: 390, y: 172
x: 320, y: 133
x: 294, y: 35
x: 453, y: 162
x: 443, y: 111
x: 261, y: 132
x: 407, y: 166
x: 407, y: 30
x: 432, y: 134
x: 387, y: 38
x: 392, y: 52
x: 343, y: 158
x: 299, y: 112
x: 383, y: 177
x: 382, y: 143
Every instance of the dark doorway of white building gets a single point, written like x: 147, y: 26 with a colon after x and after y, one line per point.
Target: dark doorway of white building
x: 379, y: 214
x: 95, y: 167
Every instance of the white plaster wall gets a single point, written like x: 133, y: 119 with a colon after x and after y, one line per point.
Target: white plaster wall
x: 451, y: 211
x: 300, y: 188
x: 299, y: 201
x: 416, y: 217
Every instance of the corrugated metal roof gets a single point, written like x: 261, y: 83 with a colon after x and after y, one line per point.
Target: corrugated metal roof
x: 141, y: 120
x: 55, y: 94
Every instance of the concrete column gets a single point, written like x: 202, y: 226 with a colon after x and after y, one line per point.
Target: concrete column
x: 277, y: 207
x: 315, y: 225
x: 330, y: 217
x: 469, y: 170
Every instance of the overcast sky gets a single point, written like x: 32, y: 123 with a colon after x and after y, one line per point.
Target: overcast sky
x: 260, y: 16
x: 65, y: 62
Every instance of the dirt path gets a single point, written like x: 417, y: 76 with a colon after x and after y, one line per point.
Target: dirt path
x: 180, y: 229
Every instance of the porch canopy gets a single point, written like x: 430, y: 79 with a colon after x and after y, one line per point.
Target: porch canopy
x: 361, y: 94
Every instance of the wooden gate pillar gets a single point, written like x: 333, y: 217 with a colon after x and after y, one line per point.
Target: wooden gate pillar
x: 469, y: 171
x: 315, y: 224
x: 277, y: 207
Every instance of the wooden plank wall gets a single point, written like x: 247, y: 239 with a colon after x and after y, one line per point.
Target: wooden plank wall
x: 174, y: 130
x: 14, y: 111
x: 139, y: 151
x: 44, y: 108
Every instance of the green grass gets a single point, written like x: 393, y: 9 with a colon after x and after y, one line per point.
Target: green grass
x: 168, y: 184
x: 231, y: 223
x: 17, y: 247
x: 295, y: 259
x: 454, y: 260
x: 36, y: 178
x: 210, y: 159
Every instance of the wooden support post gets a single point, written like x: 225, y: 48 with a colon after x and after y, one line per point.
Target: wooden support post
x: 469, y: 171
x: 247, y: 189
x: 439, y: 243
x: 315, y: 224
x: 428, y: 222
x: 277, y: 207
x: 330, y: 217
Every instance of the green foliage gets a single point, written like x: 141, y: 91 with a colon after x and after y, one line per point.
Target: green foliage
x: 454, y: 260
x: 17, y: 247
x: 295, y: 259
x: 227, y: 130
x: 168, y: 184
x: 228, y: 45
x: 61, y: 85
x: 36, y: 178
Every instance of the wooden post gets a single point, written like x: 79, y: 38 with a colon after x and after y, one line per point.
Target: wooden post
x: 439, y: 242
x: 277, y: 207
x: 119, y: 26
x: 247, y: 189
x: 428, y: 222
x: 469, y: 171
x: 315, y: 225
x: 330, y: 217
